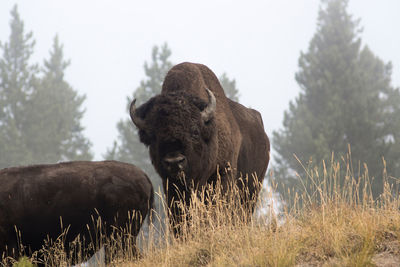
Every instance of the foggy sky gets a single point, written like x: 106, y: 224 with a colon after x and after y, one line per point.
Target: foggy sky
x: 258, y: 43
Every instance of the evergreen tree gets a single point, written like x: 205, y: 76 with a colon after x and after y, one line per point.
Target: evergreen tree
x: 160, y: 65
x: 54, y: 128
x: 17, y: 79
x: 39, y: 117
x: 346, y: 98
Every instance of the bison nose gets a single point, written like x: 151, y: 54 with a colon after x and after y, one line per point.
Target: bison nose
x: 174, y: 163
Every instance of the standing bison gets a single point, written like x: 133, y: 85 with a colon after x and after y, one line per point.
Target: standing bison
x: 34, y: 199
x: 195, y: 134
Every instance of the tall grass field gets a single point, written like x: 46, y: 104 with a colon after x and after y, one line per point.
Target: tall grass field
x: 335, y: 222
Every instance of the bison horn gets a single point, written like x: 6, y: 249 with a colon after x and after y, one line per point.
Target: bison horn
x: 135, y: 119
x: 208, y: 112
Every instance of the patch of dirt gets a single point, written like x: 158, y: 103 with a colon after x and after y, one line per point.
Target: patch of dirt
x: 383, y: 259
x: 386, y: 259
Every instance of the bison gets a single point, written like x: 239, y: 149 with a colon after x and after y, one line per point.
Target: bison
x: 196, y: 134
x: 38, y: 200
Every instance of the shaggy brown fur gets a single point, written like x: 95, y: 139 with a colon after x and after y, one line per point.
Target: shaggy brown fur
x: 33, y: 199
x: 172, y: 125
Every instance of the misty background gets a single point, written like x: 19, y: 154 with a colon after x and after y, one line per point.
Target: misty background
x: 323, y: 74
x: 256, y: 43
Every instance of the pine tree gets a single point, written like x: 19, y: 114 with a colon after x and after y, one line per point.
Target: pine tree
x: 160, y: 64
x: 17, y: 79
x: 39, y: 116
x: 54, y: 128
x: 346, y: 98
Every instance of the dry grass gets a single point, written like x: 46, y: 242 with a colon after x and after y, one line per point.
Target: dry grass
x: 334, y: 224
x: 338, y: 235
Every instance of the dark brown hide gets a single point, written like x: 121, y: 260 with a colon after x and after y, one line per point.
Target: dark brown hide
x: 33, y: 199
x: 171, y: 125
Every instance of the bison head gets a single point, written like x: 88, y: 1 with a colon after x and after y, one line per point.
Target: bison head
x: 179, y: 130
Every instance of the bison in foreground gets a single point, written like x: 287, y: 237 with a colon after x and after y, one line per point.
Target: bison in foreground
x: 196, y: 134
x: 35, y: 199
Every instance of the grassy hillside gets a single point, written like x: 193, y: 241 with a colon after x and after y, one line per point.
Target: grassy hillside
x: 333, y: 225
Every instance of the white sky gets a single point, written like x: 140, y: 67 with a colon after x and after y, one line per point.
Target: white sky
x: 256, y: 42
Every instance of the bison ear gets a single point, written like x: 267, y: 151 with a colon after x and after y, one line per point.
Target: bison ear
x: 209, y: 110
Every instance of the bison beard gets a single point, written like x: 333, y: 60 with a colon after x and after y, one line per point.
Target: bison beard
x: 193, y: 128
x: 33, y: 199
